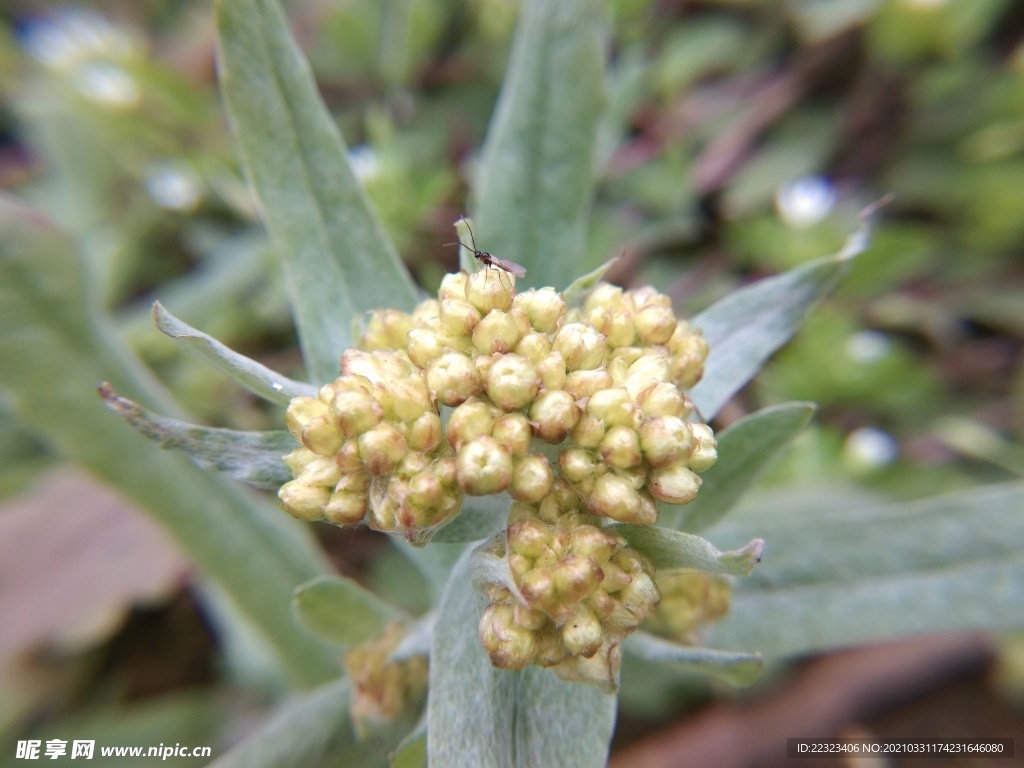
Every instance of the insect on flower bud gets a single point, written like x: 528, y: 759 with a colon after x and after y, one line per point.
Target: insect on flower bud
x: 486, y: 290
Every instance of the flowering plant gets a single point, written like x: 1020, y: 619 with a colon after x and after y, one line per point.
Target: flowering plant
x: 541, y: 456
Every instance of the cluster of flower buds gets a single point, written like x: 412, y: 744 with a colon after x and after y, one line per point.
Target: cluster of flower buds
x: 372, y: 450
x: 383, y: 689
x: 579, y: 590
x: 690, y: 601
x: 577, y: 413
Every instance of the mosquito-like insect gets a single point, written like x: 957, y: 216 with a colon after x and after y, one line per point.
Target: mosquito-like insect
x: 490, y: 260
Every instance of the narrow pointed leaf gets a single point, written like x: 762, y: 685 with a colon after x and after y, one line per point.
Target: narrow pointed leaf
x: 252, y: 457
x: 579, y: 287
x: 471, y: 703
x: 341, y: 611
x: 337, y: 260
x: 846, y: 576
x: 734, y: 668
x: 745, y: 450
x: 535, y: 180
x: 64, y: 346
x: 314, y: 729
x: 560, y: 723
x: 255, y: 377
x: 673, y: 549
x: 746, y: 327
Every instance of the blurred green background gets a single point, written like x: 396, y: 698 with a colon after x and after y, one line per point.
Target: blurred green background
x: 742, y: 138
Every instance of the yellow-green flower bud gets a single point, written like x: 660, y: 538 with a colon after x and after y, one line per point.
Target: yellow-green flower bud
x: 512, y: 382
x: 604, y: 296
x: 550, y: 649
x: 689, y: 351
x: 303, y: 501
x: 593, y: 542
x: 531, y: 478
x: 654, y: 324
x: 553, y: 415
x: 663, y: 399
x: 551, y: 371
x: 425, y: 433
x: 322, y: 437
x: 615, y: 324
x: 649, y: 369
x: 355, y: 411
x: 580, y: 467
x: 347, y: 457
x: 498, y: 332
x: 470, y: 420
x: 386, y: 329
x: 346, y: 507
x: 674, y: 484
x: 487, y: 289
x: 299, y: 459
x: 508, y: 646
x: 529, y: 618
x: 458, y: 317
x: 583, y: 384
x: 582, y: 633
x: 640, y: 596
x: 424, y: 346
x: 545, y: 308
x: 666, y: 440
x: 381, y: 448
x: 321, y: 471
x: 582, y: 346
x: 301, y: 411
x: 705, y: 452
x: 620, y: 447
x: 534, y: 347
x: 426, y: 310
x: 528, y: 536
x: 453, y: 378
x: 577, y: 576
x: 612, y: 407
x: 513, y: 431
x: 588, y: 432
x: 453, y: 286
x: 537, y: 586
x: 483, y: 466
x: 615, y: 497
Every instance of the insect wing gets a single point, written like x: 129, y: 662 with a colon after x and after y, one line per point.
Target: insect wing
x: 517, y: 270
